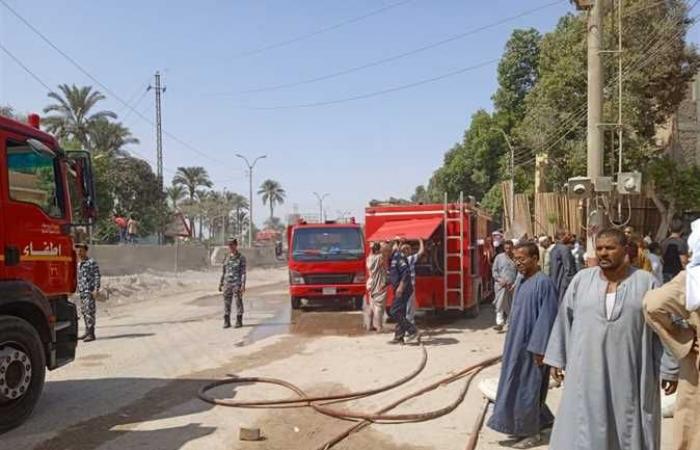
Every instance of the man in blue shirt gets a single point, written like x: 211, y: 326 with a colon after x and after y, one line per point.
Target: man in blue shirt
x: 400, y: 278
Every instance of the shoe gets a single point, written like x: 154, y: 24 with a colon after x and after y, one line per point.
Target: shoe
x: 227, y: 321
x: 411, y: 338
x: 90, y: 335
x: 529, y: 442
x: 396, y: 340
x: 498, y: 327
x: 239, y: 321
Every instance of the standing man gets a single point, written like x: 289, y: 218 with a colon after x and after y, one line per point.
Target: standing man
x: 132, y: 229
x: 88, y: 287
x: 412, y: 260
x: 520, y: 408
x: 377, y: 286
x: 400, y: 278
x: 562, y: 264
x: 232, y: 283
x: 543, y: 244
x: 612, y: 358
x: 680, y: 298
x: 675, y: 251
x: 504, y: 275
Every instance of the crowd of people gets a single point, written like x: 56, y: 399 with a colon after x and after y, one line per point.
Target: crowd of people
x: 615, y: 334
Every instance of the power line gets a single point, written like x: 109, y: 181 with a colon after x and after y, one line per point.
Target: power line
x: 41, y: 82
x: 388, y: 59
x: 302, y: 37
x: 102, y: 85
x: 380, y: 92
x: 24, y: 67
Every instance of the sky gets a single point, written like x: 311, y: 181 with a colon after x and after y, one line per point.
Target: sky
x: 211, y: 52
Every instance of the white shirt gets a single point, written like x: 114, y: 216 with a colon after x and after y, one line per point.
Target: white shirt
x: 609, y: 304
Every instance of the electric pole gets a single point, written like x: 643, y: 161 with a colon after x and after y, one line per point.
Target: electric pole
x: 159, y: 140
x: 594, y: 131
x: 320, y: 204
x: 250, y: 193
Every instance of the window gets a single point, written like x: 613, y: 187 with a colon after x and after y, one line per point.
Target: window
x: 32, y: 178
x: 327, y: 244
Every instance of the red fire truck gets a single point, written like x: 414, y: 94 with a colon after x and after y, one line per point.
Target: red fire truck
x: 451, y: 274
x: 44, y: 193
x: 326, y: 262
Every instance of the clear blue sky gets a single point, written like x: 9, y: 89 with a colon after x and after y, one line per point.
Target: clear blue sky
x: 371, y: 148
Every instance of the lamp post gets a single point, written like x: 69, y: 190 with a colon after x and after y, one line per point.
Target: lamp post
x: 250, y: 198
x: 320, y: 204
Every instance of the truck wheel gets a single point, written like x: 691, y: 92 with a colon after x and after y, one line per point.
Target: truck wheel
x: 296, y: 303
x: 358, y: 303
x: 22, y: 370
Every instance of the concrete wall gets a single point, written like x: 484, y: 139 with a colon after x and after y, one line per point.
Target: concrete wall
x: 255, y: 257
x: 126, y: 259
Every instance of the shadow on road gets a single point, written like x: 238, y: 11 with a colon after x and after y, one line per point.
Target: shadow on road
x: 158, y: 399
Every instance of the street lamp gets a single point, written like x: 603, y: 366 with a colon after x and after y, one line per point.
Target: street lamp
x: 250, y: 198
x: 320, y: 203
x: 511, y: 213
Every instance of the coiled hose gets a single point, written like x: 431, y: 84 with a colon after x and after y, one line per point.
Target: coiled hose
x: 362, y: 419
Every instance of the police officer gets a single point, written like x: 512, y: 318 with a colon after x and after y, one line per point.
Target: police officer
x: 232, y: 283
x: 88, y: 286
x: 400, y: 278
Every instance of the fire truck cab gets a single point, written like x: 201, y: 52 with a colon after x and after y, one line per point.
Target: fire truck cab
x: 326, y: 262
x: 44, y: 193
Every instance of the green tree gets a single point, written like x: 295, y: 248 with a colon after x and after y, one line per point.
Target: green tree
x: 175, y: 194
x: 272, y: 194
x: 518, y: 72
x: 109, y: 138
x: 192, y: 178
x: 74, y: 114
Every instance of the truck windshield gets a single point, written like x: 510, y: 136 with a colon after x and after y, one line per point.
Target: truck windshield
x: 327, y: 244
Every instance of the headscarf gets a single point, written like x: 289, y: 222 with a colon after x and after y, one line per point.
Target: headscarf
x: 692, y: 287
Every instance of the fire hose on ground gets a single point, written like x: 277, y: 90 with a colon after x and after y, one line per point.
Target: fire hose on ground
x: 362, y: 419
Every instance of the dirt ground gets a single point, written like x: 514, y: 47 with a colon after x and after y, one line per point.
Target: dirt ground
x: 160, y: 339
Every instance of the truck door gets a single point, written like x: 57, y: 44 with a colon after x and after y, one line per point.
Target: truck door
x: 37, y: 246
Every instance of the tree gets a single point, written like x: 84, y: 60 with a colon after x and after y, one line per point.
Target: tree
x: 420, y: 195
x: 518, y: 72
x: 109, y: 138
x: 472, y: 166
x: 272, y: 193
x: 274, y: 223
x: 74, y: 115
x: 175, y: 194
x: 192, y: 178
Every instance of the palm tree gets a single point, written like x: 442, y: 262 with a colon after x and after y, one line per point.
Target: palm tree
x: 240, y: 205
x: 109, y: 138
x: 175, y: 193
x: 192, y: 178
x: 272, y: 193
x: 73, y: 112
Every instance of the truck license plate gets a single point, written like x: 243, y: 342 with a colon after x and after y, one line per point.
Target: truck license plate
x: 329, y: 291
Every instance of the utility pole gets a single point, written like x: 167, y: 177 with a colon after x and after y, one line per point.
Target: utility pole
x: 594, y: 147
x: 320, y: 204
x: 250, y: 193
x: 159, y: 140
x: 511, y: 204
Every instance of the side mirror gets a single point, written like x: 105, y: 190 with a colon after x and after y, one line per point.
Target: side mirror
x: 81, y: 164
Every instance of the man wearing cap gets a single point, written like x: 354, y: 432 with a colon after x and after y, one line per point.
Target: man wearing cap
x: 88, y: 286
x: 233, y: 283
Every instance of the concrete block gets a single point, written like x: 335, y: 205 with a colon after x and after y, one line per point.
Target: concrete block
x: 248, y: 433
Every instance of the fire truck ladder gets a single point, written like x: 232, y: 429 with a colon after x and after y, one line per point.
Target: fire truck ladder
x: 452, y: 216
